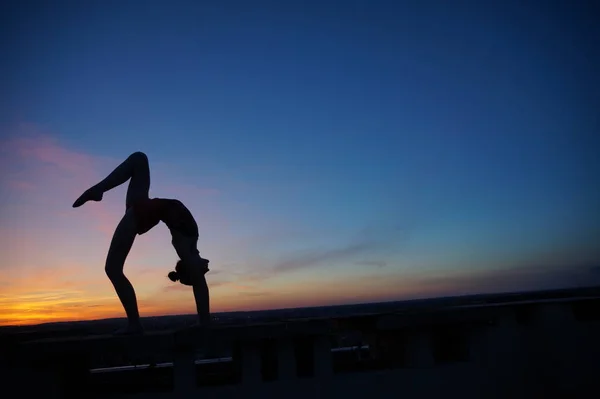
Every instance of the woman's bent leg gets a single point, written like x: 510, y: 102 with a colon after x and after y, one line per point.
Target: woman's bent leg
x: 120, y: 246
x: 136, y: 168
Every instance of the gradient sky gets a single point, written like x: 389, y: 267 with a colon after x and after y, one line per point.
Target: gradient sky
x: 332, y: 151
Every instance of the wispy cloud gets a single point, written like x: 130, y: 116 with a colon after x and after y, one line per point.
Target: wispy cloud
x: 27, y: 146
x: 373, y: 263
x: 253, y: 294
x: 372, y: 241
x: 527, y: 277
x: 315, y: 257
x: 22, y: 186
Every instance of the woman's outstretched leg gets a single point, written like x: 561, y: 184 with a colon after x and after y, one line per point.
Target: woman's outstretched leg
x: 120, y: 246
x: 136, y: 168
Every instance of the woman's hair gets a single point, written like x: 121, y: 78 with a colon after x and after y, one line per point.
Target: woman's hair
x: 180, y: 274
x: 173, y: 276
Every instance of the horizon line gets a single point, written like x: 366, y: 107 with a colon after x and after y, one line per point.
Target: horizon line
x: 501, y: 293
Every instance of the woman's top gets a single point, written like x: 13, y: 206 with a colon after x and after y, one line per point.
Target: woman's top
x: 149, y: 212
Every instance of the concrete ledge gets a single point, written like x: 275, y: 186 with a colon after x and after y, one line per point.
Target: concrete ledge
x: 509, y: 346
x: 451, y: 381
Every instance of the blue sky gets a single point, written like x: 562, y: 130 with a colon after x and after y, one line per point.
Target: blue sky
x: 369, y: 138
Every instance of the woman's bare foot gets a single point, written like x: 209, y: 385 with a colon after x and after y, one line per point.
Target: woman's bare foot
x: 89, y: 195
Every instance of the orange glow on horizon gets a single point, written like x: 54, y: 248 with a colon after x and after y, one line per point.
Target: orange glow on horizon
x: 24, y: 308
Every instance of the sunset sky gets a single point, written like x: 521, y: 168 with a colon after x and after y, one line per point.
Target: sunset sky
x: 331, y: 151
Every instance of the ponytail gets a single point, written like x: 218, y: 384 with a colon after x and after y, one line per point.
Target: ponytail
x: 173, y: 276
x: 180, y: 274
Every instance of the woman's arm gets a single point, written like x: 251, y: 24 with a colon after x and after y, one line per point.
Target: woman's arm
x: 202, y: 300
x: 197, y: 267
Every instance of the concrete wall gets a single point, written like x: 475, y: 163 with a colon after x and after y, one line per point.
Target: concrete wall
x: 522, y: 350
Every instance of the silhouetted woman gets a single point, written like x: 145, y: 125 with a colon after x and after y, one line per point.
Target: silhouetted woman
x: 141, y: 215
